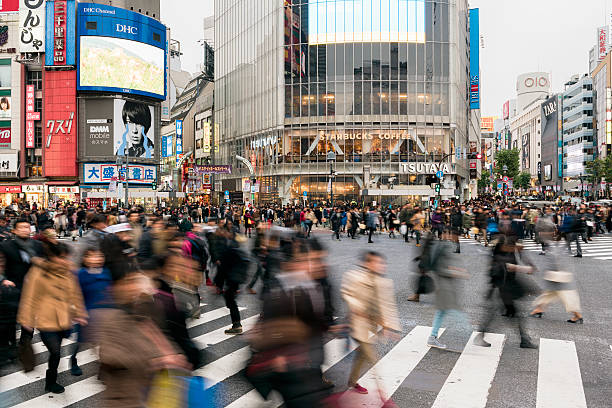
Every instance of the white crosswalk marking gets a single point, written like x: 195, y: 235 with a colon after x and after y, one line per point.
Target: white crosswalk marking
x: 466, y: 387
x: 559, y: 378
x: 559, y: 381
x: 385, y: 377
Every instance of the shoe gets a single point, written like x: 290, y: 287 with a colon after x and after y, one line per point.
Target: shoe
x: 234, y: 330
x: 413, y: 298
x: 480, y: 341
x: 542, y: 253
x: 538, y: 314
x: 577, y: 321
x: 209, y: 282
x: 75, y: 370
x: 458, y: 251
x: 252, y: 291
x: 369, y: 242
x: 359, y: 389
x: 434, y: 342
x: 578, y: 256
x: 51, y: 384
x: 418, y: 245
x: 327, y: 384
x: 509, y: 314
x: 527, y: 343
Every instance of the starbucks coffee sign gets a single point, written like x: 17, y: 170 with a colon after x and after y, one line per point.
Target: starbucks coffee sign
x: 367, y: 135
x: 427, y: 168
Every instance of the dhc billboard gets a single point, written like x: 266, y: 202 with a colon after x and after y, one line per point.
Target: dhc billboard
x: 120, y: 51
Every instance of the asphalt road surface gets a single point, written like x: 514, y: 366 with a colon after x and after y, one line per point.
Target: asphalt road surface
x: 571, y: 368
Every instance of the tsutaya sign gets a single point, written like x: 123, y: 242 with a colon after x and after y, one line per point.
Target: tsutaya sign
x: 427, y: 168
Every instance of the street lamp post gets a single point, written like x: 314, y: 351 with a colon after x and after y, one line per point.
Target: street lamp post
x: 331, y: 157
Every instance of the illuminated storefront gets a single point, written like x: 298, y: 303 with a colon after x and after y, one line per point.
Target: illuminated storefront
x: 371, y: 84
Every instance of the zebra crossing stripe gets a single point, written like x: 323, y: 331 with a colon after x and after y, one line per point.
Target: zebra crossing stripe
x: 19, y: 378
x: 465, y: 386
x: 224, y: 367
x: 210, y: 316
x: 217, y: 336
x: 559, y: 378
x: 385, y: 377
x: 74, y: 393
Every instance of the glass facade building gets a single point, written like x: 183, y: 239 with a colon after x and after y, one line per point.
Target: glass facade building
x: 380, y: 83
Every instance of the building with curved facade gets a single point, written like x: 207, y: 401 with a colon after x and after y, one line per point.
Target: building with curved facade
x: 376, y: 92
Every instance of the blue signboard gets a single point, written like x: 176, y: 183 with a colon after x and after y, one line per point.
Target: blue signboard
x: 104, y: 173
x: 179, y: 136
x: 474, y: 59
x: 60, y: 33
x: 120, y: 51
x: 164, y: 146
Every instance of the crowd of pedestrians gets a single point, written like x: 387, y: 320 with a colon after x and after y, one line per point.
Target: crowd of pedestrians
x: 133, y: 281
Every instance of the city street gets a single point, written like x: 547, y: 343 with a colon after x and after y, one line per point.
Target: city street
x: 571, y: 368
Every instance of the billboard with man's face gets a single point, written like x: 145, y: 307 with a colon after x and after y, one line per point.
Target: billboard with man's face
x: 118, y: 127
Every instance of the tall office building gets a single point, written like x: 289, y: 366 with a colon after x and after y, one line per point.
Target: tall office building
x: 579, y: 146
x: 377, y: 92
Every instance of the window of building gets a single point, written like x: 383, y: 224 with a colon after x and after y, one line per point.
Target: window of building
x: 5, y: 73
x: 34, y: 78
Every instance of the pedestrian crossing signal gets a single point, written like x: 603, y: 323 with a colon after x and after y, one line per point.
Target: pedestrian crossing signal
x: 154, y: 185
x: 437, y: 188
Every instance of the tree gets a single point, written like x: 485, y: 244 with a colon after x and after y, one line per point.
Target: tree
x: 509, y: 158
x: 523, y: 180
x: 484, y: 181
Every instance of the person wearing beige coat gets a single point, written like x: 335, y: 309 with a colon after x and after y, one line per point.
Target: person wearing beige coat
x: 371, y: 302
x: 51, y: 301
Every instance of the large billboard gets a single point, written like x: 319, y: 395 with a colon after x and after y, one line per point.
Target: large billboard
x: 118, y: 127
x: 121, y: 51
x: 32, y: 25
x: 60, y: 124
x: 348, y: 21
x: 474, y: 59
x: 103, y: 173
x: 61, y: 33
x: 550, y: 115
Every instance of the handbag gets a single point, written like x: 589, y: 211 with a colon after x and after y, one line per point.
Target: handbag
x: 278, y: 332
x: 404, y: 229
x: 558, y: 276
x: 186, y: 299
x: 425, y: 284
x: 26, y: 355
x: 362, y: 226
x: 396, y: 222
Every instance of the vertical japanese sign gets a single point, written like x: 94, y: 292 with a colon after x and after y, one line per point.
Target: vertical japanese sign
x: 474, y: 59
x: 179, y: 139
x: 602, y: 42
x: 32, y: 26
x: 29, y: 139
x: 61, y: 33
x: 60, y: 130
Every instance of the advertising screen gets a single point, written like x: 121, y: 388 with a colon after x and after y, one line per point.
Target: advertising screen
x: 5, y: 107
x: 474, y: 58
x: 121, y: 51
x: 346, y: 21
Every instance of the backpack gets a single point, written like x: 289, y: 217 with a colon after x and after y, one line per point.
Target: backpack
x: 199, y: 251
x: 241, y: 261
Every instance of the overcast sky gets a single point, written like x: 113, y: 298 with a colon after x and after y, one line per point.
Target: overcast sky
x: 520, y: 36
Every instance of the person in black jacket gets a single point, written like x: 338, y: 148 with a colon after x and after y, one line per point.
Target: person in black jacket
x: 336, y: 221
x: 456, y: 224
x: 17, y: 254
x: 234, y: 269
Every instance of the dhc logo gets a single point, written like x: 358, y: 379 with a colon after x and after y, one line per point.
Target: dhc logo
x: 122, y: 28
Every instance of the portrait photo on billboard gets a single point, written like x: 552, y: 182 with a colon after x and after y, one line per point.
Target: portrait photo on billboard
x: 5, y: 107
x: 134, y: 129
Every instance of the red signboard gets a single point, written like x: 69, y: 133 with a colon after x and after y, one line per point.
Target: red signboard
x: 5, y: 138
x: 9, y: 6
x: 59, y: 33
x: 32, y: 116
x: 506, y: 110
x: 10, y: 189
x: 60, y: 130
x: 29, y: 138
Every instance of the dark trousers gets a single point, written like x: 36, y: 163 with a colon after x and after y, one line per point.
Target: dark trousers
x: 510, y: 306
x: 371, y: 231
x: 336, y: 232
x: 258, y: 273
x: 53, y: 342
x: 231, y: 290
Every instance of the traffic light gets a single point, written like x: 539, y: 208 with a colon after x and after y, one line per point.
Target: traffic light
x: 154, y: 185
x: 479, y: 156
x: 437, y: 188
